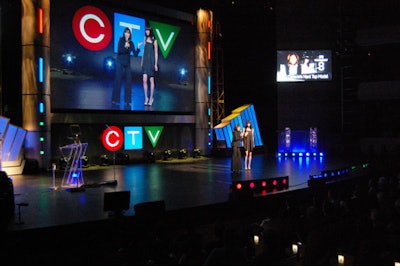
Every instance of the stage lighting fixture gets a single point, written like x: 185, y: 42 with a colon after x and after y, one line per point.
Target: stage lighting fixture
x: 167, y: 155
x: 262, y: 185
x: 62, y: 163
x: 183, y: 76
x: 183, y: 154
x: 68, y: 58
x: 149, y: 157
x: 122, y: 158
x: 85, y: 161
x: 109, y: 63
x: 104, y: 159
x: 335, y: 173
x: 196, y: 153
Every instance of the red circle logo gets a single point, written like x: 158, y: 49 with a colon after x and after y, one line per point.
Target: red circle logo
x: 92, y: 28
x: 112, y: 138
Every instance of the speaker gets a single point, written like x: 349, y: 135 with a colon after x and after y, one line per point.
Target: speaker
x: 117, y: 201
x: 7, y: 200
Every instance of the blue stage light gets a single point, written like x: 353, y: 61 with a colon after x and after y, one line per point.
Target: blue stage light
x: 183, y: 76
x: 69, y: 58
x: 109, y: 63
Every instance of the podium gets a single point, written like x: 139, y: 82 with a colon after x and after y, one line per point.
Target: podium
x: 73, y: 170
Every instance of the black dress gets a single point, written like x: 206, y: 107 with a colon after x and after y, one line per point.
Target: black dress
x: 236, y: 163
x: 248, y: 141
x: 149, y: 58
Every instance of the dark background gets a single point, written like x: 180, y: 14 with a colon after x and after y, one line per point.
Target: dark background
x: 361, y: 35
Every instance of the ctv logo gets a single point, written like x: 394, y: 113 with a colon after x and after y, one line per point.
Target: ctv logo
x: 92, y: 28
x: 94, y: 31
x: 132, y: 137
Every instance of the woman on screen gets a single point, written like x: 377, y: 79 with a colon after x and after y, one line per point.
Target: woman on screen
x: 123, y: 66
x: 307, y: 67
x: 149, y: 64
x: 293, y: 64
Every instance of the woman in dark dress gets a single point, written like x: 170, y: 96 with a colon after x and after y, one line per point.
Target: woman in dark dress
x: 248, y: 144
x: 149, y: 64
x: 236, y: 163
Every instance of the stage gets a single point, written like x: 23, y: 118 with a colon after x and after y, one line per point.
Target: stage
x: 180, y: 183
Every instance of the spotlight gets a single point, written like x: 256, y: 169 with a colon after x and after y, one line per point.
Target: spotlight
x: 262, y: 185
x: 68, y: 58
x: 85, y: 161
x: 62, y: 163
x: 104, y: 159
x: 122, y: 158
x: 149, y: 157
x: 183, y: 154
x: 196, y: 153
x: 109, y: 63
x: 167, y: 155
x: 183, y: 76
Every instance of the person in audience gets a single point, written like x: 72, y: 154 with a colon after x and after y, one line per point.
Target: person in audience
x: 232, y: 253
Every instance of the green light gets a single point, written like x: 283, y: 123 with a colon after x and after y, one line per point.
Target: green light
x: 41, y: 123
x: 41, y: 152
x: 41, y: 139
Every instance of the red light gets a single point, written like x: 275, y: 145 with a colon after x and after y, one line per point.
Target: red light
x: 264, y: 183
x: 284, y: 181
x: 40, y: 20
x: 251, y: 185
x: 238, y: 186
x: 274, y: 182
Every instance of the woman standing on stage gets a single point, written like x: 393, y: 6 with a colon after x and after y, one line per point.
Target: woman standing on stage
x: 236, y: 163
x: 248, y: 144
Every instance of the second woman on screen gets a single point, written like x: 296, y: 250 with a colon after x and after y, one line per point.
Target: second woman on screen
x: 149, y: 65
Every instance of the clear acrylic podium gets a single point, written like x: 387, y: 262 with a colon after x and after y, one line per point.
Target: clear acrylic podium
x: 73, y: 176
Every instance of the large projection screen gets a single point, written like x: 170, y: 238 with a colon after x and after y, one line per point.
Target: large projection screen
x: 84, y: 36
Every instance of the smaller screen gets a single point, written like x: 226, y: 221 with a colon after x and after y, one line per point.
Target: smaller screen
x: 303, y: 65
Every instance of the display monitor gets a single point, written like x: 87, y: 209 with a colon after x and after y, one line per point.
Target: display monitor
x: 116, y: 201
x: 84, y: 38
x: 303, y: 65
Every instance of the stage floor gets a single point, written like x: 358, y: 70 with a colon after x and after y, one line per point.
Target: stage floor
x: 180, y: 183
